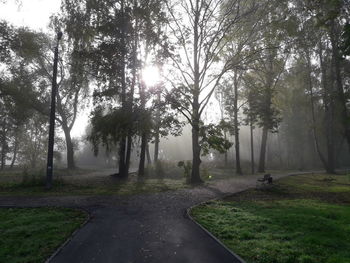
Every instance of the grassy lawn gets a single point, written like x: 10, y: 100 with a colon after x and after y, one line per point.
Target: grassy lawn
x: 31, y: 235
x: 110, y: 187
x: 83, y: 182
x: 302, y: 219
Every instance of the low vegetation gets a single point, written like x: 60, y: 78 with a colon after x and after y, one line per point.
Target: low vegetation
x: 107, y: 185
x: 300, y: 219
x: 32, y: 234
x: 164, y: 177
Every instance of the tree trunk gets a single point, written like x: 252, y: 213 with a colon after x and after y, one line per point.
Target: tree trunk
x: 122, y: 164
x: 226, y: 160
x: 236, y: 125
x: 70, y: 148
x: 252, y: 148
x: 123, y: 171
x: 329, y: 118
x: 340, y: 91
x: 3, y: 157
x: 329, y: 111
x: 15, y: 149
x: 128, y: 153
x: 143, y: 154
x: 143, y: 133
x: 149, y: 161
x: 156, y: 141
x: 156, y: 148
x: 3, y: 148
x: 196, y: 150
x: 313, y: 115
x: 261, y: 168
x: 130, y: 102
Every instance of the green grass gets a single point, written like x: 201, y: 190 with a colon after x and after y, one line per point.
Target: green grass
x: 109, y: 187
x: 302, y: 219
x: 79, y: 182
x: 31, y: 235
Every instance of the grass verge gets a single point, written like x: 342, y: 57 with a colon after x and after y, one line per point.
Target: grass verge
x: 110, y: 186
x: 80, y: 182
x: 31, y: 235
x: 301, y: 219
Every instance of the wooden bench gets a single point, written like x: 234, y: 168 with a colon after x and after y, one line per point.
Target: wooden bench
x: 266, y: 179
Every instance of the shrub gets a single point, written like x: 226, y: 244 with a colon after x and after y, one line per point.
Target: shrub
x: 187, y: 166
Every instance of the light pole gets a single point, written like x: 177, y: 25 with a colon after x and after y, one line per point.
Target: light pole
x: 49, y: 168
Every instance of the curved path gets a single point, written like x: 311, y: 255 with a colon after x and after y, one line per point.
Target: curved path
x: 143, y: 228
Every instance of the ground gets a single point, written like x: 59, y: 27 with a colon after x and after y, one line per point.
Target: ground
x: 32, y: 234
x: 301, y: 218
x: 143, y: 227
x: 148, y: 227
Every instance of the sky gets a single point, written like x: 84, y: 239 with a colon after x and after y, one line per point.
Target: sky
x: 35, y: 14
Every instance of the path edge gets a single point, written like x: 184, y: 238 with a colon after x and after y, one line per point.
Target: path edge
x: 188, y: 214
x: 75, y: 232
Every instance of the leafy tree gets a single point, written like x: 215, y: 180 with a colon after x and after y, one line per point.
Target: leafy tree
x: 118, y: 45
x: 268, y: 67
x: 198, y: 28
x: 165, y: 121
x: 333, y: 17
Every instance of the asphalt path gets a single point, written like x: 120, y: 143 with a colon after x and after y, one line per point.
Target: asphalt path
x: 142, y: 228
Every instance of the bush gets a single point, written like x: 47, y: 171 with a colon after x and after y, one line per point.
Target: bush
x: 187, y: 166
x: 34, y: 178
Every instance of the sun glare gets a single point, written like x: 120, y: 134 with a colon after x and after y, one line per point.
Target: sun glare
x: 151, y: 75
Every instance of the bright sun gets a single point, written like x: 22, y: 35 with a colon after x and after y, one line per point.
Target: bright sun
x: 150, y: 75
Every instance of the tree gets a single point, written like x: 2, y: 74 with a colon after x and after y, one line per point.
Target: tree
x: 268, y: 67
x: 118, y: 46
x: 16, y: 86
x: 165, y: 120
x: 198, y: 28
x: 333, y: 17
x: 105, y: 37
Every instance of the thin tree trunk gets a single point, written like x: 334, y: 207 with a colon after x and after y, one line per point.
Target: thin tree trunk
x: 314, y: 132
x: 268, y: 99
x: 329, y: 111
x: 128, y: 153
x: 252, y: 147
x: 236, y: 125
x: 3, y: 148
x: 261, y: 168
x: 3, y: 157
x: 340, y: 91
x: 144, y: 132
x: 226, y: 160
x: 131, y: 97
x: 14, y: 153
x: 156, y: 141
x: 123, y: 170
